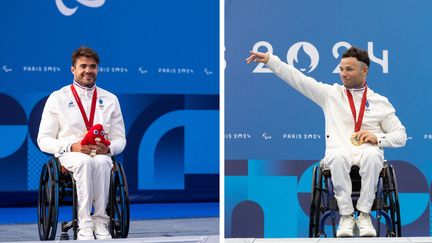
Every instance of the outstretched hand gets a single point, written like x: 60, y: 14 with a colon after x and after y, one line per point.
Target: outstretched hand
x: 258, y: 57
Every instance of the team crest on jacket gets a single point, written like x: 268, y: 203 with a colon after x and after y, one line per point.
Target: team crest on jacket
x: 367, y: 106
x: 101, y: 105
x: 71, y: 104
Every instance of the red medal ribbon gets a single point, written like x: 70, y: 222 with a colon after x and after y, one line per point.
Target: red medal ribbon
x: 88, y: 123
x: 357, y: 122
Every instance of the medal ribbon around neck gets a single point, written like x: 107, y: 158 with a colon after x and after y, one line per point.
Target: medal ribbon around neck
x: 88, y: 123
x: 357, y: 122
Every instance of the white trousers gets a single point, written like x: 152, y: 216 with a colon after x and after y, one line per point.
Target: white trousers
x: 370, y: 160
x: 92, y: 176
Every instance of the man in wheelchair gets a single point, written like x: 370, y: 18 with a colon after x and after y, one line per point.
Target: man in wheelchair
x: 359, y: 124
x: 68, y: 115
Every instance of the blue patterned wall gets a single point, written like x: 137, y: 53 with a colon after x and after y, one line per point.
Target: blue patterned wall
x: 161, y: 58
x: 273, y: 134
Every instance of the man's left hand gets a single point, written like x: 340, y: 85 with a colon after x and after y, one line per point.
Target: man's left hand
x: 100, y: 148
x: 367, y: 137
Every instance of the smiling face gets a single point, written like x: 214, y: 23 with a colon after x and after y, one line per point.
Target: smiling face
x: 352, y: 72
x: 85, y: 71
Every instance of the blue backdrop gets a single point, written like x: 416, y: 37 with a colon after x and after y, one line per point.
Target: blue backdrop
x: 161, y: 58
x: 274, y: 135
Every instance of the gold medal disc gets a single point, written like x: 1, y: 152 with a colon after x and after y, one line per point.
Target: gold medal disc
x: 355, y: 141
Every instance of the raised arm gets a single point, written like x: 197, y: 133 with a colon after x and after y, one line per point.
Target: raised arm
x: 314, y: 90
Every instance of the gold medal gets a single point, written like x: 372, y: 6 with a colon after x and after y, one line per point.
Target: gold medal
x: 355, y: 141
x: 93, y: 153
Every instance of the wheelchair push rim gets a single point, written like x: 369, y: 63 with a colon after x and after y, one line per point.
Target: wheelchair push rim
x: 315, y: 210
x: 396, y: 210
x: 119, y: 209
x: 48, y: 202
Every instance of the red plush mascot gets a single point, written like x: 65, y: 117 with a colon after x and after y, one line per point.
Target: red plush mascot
x: 95, y: 134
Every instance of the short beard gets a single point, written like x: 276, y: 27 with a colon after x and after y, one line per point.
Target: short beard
x: 82, y: 83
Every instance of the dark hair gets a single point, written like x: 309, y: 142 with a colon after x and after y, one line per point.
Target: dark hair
x: 357, y: 53
x: 84, y: 51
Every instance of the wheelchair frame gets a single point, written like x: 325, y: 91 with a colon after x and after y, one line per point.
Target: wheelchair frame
x: 324, y: 205
x: 57, y: 188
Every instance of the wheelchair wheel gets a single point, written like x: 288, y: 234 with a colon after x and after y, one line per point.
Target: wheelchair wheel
x: 119, y: 210
x: 75, y: 210
x: 391, y: 201
x: 395, y: 209
x: 315, y: 209
x: 48, y: 201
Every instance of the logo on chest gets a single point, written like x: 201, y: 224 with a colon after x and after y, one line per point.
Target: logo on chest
x: 367, y: 108
x: 71, y: 104
x: 101, y: 104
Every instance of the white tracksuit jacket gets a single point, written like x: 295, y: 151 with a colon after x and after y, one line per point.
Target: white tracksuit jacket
x: 62, y: 125
x: 379, y: 118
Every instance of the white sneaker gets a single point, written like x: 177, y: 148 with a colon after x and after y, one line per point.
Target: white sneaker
x: 346, y: 226
x: 364, y: 224
x: 85, y: 233
x: 101, y: 231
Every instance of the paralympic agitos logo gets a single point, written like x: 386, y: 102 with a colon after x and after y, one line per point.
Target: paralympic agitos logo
x: 66, y: 11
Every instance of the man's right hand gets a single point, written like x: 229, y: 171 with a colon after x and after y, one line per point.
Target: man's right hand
x: 258, y: 57
x: 77, y: 147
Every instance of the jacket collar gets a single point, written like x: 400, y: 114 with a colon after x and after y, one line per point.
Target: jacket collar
x: 83, y: 88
